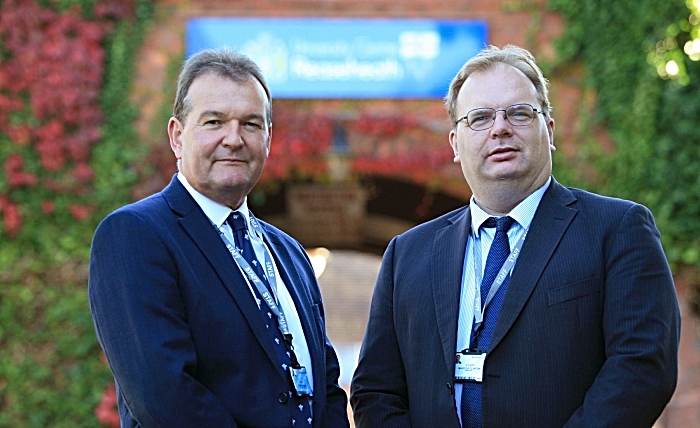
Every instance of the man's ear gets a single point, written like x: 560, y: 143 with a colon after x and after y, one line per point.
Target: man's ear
x: 175, y: 130
x: 550, y: 135
x: 453, y: 143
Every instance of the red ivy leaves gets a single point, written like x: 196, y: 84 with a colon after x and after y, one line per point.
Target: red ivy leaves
x: 47, y: 207
x: 16, y: 177
x: 12, y: 221
x: 50, y: 82
x: 384, y: 127
x: 299, y: 143
x: 57, y: 61
x: 80, y: 212
x: 106, y: 412
x: 378, y: 145
x: 19, y: 134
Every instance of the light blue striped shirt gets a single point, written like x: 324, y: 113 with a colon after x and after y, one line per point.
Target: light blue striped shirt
x: 478, y: 243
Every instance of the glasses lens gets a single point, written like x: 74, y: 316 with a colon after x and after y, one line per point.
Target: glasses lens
x: 481, y: 118
x: 520, y: 114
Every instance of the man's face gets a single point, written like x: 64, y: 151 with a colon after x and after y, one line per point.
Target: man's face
x: 224, y: 142
x: 503, y: 152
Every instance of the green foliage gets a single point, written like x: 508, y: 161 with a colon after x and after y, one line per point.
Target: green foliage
x: 114, y: 158
x: 650, y: 115
x: 51, y: 367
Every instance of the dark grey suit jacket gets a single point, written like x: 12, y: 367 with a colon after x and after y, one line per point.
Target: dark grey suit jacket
x: 587, y: 336
x: 183, y: 336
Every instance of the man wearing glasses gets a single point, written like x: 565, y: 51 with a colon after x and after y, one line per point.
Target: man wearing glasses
x: 535, y: 306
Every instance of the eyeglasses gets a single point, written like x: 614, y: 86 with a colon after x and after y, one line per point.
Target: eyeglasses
x: 481, y: 119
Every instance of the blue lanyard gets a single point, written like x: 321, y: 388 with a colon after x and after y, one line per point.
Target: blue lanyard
x: 251, y: 276
x: 497, y: 282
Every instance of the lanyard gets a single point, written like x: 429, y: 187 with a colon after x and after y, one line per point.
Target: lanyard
x: 251, y: 276
x: 500, y: 278
x: 270, y: 300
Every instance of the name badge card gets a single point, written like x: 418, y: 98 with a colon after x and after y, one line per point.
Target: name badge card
x: 301, y: 382
x: 469, y: 366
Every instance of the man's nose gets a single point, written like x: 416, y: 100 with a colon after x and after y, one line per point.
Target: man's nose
x: 232, y: 134
x: 501, y: 127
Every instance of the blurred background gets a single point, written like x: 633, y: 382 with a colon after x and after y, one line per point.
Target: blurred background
x: 359, y: 153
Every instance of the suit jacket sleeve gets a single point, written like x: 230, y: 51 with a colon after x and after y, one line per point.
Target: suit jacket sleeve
x: 379, y: 394
x: 641, y: 324
x: 141, y: 323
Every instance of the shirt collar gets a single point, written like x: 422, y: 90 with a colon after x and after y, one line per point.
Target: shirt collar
x: 217, y: 213
x: 523, y: 213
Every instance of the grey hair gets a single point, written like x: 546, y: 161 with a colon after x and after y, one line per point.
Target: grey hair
x: 223, y: 62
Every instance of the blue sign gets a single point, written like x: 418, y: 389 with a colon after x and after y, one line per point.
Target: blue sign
x: 347, y: 58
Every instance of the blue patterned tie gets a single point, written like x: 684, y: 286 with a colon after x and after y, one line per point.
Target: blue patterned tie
x: 472, y: 415
x: 242, y: 240
x: 301, y: 414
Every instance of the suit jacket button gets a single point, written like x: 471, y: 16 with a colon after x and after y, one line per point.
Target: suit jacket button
x: 283, y: 398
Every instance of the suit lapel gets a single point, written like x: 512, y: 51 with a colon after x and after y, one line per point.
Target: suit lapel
x: 449, y: 246
x: 552, y: 218
x: 200, y: 230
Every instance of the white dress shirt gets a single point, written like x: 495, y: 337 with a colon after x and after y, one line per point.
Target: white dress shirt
x: 218, y: 214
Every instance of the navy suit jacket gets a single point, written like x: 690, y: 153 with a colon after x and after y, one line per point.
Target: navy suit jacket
x: 587, y: 336
x: 181, y: 331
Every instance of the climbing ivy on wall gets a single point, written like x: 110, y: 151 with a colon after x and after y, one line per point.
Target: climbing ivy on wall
x: 640, y: 64
x: 66, y: 148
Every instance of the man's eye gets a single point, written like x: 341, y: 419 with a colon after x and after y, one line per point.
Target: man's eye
x: 252, y: 125
x: 476, y: 119
x: 520, y: 112
x: 213, y: 122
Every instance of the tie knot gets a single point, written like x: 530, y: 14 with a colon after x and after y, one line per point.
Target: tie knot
x: 237, y: 221
x: 502, y: 224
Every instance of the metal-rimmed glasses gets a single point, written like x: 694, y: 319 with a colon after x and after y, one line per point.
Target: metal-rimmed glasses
x: 483, y: 118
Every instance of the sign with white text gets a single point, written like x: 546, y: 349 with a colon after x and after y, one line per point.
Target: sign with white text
x: 346, y: 58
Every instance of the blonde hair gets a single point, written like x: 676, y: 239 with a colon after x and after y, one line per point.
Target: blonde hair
x: 488, y: 58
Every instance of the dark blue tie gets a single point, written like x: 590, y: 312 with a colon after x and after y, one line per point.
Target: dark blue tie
x: 472, y: 415
x: 242, y: 240
x: 301, y: 414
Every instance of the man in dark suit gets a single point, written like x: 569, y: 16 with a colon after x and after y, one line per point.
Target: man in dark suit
x: 534, y: 306
x: 195, y: 333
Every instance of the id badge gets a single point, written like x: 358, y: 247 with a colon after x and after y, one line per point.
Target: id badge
x: 469, y: 366
x: 301, y: 382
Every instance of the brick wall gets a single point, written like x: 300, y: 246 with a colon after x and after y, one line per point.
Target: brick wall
x: 527, y: 26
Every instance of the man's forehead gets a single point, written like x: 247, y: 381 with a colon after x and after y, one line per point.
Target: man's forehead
x: 211, y: 88
x: 498, y: 86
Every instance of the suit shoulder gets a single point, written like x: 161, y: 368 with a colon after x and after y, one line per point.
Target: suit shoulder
x: 600, y: 209
x: 591, y: 197
x: 151, y: 208
x: 431, y: 226
x: 595, y: 200
x: 282, y: 235
x: 274, y: 229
